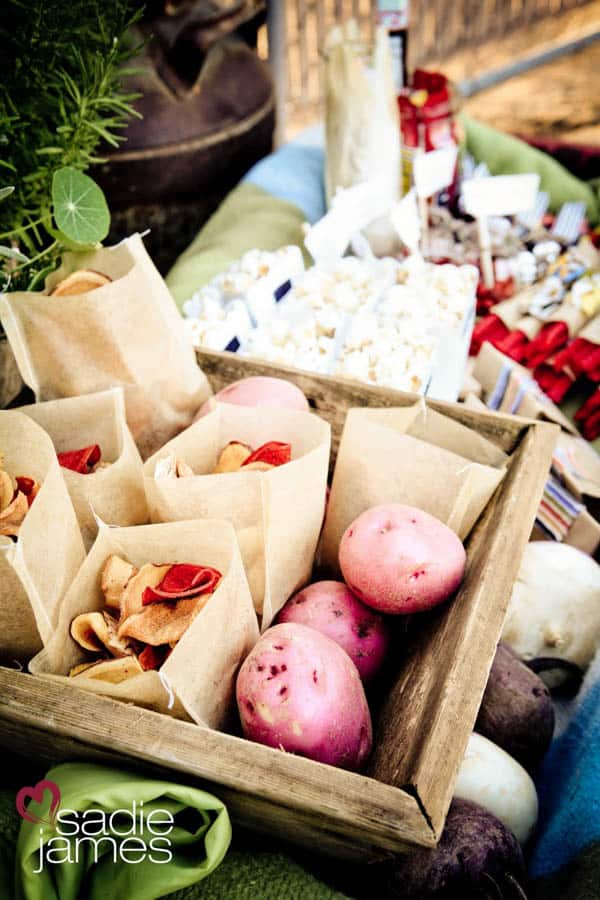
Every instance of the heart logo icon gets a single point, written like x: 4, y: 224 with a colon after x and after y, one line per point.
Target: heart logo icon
x: 37, y: 795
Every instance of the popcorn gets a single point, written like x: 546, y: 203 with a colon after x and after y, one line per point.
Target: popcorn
x: 234, y: 301
x: 376, y: 320
x: 381, y: 350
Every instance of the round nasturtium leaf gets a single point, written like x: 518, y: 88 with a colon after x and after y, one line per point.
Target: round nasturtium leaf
x: 79, y: 207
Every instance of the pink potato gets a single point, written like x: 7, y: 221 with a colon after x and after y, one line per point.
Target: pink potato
x: 398, y: 559
x: 332, y: 608
x: 298, y: 691
x: 258, y: 390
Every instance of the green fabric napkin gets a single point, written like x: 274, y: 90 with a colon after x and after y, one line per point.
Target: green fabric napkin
x: 195, y: 833
x: 253, y: 869
x: 507, y: 155
x: 249, y: 217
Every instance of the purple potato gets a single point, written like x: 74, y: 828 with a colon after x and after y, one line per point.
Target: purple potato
x: 516, y: 711
x: 477, y: 858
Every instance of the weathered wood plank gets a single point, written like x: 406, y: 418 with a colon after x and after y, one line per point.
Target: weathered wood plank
x: 431, y: 709
x: 332, y: 397
x: 286, y: 793
x: 426, y: 719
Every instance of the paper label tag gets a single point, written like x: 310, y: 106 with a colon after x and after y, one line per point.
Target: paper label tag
x: 434, y: 171
x: 500, y: 195
x: 405, y: 219
x: 352, y: 209
x: 361, y: 247
x: 393, y: 14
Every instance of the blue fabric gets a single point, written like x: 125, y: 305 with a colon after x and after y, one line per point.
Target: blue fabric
x: 569, y: 788
x: 294, y: 173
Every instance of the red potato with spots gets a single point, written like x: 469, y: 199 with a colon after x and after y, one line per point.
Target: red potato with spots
x: 299, y: 691
x: 398, y: 559
x: 332, y: 608
x: 258, y: 390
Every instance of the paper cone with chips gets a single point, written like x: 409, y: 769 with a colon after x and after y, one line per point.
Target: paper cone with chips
x: 124, y: 331
x: 275, y: 506
x: 160, y: 616
x: 112, y: 487
x: 410, y: 455
x: 41, y: 548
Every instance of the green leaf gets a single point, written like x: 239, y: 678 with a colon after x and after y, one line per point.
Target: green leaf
x: 6, y: 191
x: 12, y: 253
x: 79, y: 207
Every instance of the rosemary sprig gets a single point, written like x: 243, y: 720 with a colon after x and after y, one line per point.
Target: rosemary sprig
x: 62, y: 97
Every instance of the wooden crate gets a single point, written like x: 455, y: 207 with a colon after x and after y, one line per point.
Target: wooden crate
x: 425, y: 722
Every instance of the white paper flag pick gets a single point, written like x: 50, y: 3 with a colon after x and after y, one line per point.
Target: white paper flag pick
x: 500, y: 195
x: 406, y: 220
x: 352, y: 209
x: 434, y: 171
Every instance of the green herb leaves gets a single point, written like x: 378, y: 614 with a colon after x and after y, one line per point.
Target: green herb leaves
x: 64, y: 101
x: 79, y: 207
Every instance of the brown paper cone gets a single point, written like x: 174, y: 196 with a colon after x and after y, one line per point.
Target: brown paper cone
x: 277, y: 514
x: 510, y: 312
x: 198, y: 678
x: 127, y: 333
x: 579, y: 465
x: 115, y: 494
x: 530, y: 326
x: 37, y: 570
x: 591, y: 332
x: 573, y: 317
x: 414, y: 456
x: 491, y: 364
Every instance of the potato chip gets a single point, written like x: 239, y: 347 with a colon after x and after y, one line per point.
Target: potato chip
x: 80, y: 283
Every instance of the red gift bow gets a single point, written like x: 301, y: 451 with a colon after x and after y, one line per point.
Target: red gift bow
x: 554, y: 384
x: 275, y: 453
x: 589, y: 416
x: 581, y: 357
x: 591, y: 405
x: 82, y: 461
x: 491, y: 329
x: 551, y: 338
x: 591, y: 427
x: 183, y: 580
x: 488, y: 297
x: 514, y: 344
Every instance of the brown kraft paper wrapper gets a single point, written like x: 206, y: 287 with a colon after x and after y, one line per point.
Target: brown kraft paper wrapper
x: 584, y: 534
x: 579, y: 466
x: 37, y: 570
x: 277, y: 514
x: 126, y: 333
x: 591, y: 332
x: 533, y: 404
x: 197, y: 681
x: 573, y: 317
x: 114, y: 494
x: 411, y: 455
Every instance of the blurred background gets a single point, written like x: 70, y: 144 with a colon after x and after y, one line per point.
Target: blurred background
x: 468, y: 39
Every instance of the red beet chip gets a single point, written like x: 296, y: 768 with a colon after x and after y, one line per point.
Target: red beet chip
x: 183, y: 580
x: 28, y: 487
x: 82, y: 461
x: 275, y: 453
x: 153, y: 657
